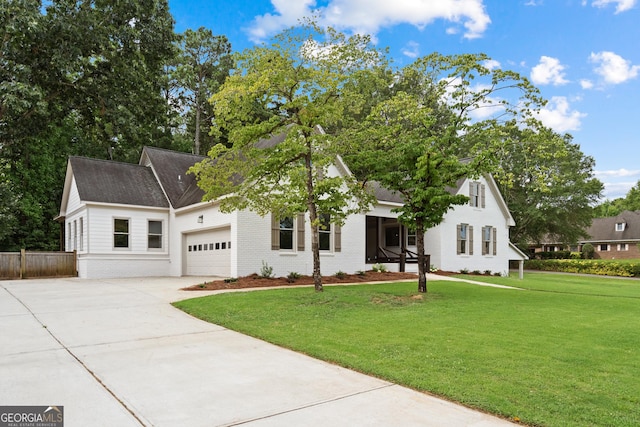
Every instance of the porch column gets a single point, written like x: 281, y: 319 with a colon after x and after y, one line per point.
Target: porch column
x: 521, y: 269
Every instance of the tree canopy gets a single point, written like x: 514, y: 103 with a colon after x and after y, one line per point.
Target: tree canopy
x: 288, y: 92
x: 548, y: 184
x: 427, y: 134
x: 202, y: 65
x: 631, y: 202
x: 77, y: 78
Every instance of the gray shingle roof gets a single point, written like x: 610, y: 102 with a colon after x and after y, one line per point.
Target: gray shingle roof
x: 385, y: 195
x: 604, y: 229
x: 114, y: 182
x: 171, y: 168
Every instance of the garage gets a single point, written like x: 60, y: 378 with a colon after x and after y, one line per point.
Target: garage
x: 208, y: 253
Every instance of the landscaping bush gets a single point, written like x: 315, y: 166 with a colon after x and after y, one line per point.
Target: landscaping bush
x: 587, y: 251
x: 554, y: 255
x: 587, y: 266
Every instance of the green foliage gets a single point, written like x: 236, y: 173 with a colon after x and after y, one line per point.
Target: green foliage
x: 293, y: 276
x: 588, y: 251
x: 379, y: 268
x: 277, y: 159
x: 553, y: 255
x: 631, y: 202
x: 231, y: 280
x: 587, y: 266
x: 420, y: 138
x: 77, y: 78
x: 547, y: 182
x: 340, y: 274
x: 266, y: 271
x: 202, y: 65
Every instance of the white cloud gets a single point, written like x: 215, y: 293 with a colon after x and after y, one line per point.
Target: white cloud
x: 613, y: 68
x: 621, y: 5
x: 557, y: 115
x: 411, y: 49
x: 548, y: 71
x: 369, y: 16
x: 586, y: 84
x: 491, y: 64
x: 534, y: 3
x: 615, y: 190
x: 618, y: 173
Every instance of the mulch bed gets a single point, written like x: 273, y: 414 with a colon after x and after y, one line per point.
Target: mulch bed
x: 256, y: 281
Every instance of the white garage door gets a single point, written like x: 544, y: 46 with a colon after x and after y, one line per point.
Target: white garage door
x: 209, y: 253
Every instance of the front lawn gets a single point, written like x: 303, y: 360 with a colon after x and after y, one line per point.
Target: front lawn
x: 562, y: 356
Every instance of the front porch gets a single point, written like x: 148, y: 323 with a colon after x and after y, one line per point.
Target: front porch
x: 390, y: 242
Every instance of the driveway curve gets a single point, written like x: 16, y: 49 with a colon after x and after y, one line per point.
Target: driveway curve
x: 114, y: 352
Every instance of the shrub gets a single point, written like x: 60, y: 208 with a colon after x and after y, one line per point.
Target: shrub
x: 340, y: 274
x: 464, y: 271
x: 231, y: 280
x: 361, y: 273
x: 575, y: 255
x: 487, y: 272
x: 433, y: 268
x: 587, y: 251
x: 476, y: 272
x: 379, y: 268
x: 587, y: 266
x: 266, y: 271
x: 293, y: 276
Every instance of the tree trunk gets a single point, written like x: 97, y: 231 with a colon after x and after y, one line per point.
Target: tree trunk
x: 196, y: 145
x: 313, y: 218
x: 422, y: 273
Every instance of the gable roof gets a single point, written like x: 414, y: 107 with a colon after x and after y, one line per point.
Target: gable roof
x: 604, y: 229
x: 170, y: 168
x: 107, y: 181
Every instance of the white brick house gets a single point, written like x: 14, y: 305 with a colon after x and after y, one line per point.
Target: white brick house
x: 148, y: 219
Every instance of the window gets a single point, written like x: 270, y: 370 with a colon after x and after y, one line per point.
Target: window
x: 623, y: 246
x: 411, y: 237
x: 154, y: 237
x: 465, y: 239
x: 120, y: 233
x: 620, y: 226
x: 476, y: 194
x: 324, y: 232
x: 604, y: 247
x: 489, y: 240
x: 286, y: 233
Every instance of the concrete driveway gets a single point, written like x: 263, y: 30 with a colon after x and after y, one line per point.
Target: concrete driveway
x: 116, y: 353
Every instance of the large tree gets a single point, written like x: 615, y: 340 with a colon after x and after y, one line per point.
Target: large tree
x: 430, y: 133
x: 287, y: 90
x: 77, y: 77
x: 202, y: 66
x: 548, y: 184
x: 631, y: 202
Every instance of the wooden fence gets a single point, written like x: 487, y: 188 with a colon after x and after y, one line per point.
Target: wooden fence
x: 27, y: 264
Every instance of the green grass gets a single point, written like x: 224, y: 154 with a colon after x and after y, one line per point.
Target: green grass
x: 564, y: 354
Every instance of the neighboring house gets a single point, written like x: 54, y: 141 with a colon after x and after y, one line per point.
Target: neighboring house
x: 616, y: 237
x: 127, y: 220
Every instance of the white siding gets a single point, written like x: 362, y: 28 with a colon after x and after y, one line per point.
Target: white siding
x: 100, y: 259
x: 441, y: 240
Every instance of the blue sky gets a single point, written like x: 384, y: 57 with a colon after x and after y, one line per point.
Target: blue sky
x: 584, y: 55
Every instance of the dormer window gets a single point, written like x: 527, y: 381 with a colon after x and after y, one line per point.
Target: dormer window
x: 620, y: 226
